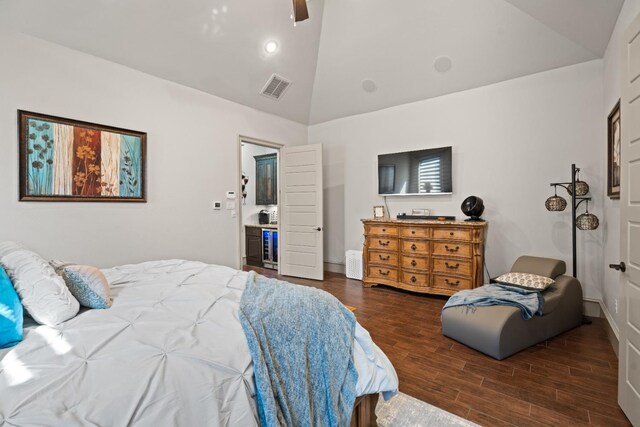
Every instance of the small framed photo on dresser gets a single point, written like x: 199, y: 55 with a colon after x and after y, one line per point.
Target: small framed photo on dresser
x: 378, y: 212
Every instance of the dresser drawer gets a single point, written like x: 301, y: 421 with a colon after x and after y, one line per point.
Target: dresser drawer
x: 383, y: 258
x: 382, y: 273
x: 415, y: 279
x: 417, y: 263
x: 414, y: 232
x: 451, y: 234
x: 452, y: 266
x: 384, y: 243
x: 415, y: 247
x: 382, y: 230
x: 452, y: 249
x: 452, y: 283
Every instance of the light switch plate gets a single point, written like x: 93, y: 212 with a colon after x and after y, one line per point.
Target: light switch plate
x: 217, y: 206
x: 231, y: 194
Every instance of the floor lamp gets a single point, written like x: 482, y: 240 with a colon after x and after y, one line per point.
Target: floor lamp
x: 577, y: 189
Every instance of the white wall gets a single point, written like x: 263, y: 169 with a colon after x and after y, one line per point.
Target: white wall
x: 510, y: 140
x: 249, y: 209
x: 611, y: 208
x: 192, y: 158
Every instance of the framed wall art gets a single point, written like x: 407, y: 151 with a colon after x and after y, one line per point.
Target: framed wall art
x: 613, y: 150
x: 69, y: 160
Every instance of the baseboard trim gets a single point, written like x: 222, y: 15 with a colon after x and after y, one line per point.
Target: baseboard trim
x: 613, y: 333
x: 335, y: 267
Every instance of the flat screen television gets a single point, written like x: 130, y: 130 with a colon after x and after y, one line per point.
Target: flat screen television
x: 412, y: 173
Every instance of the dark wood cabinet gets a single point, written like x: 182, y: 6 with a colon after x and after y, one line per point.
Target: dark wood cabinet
x: 267, y: 179
x: 253, y: 245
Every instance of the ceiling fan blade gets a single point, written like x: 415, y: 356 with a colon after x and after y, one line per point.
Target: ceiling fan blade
x: 300, y: 11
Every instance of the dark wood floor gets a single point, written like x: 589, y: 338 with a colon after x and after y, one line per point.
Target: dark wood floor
x: 568, y: 380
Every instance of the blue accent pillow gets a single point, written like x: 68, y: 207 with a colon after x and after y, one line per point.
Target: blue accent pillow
x: 10, y: 313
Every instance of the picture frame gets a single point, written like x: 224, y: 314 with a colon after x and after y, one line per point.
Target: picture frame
x: 70, y: 160
x: 613, y: 152
x: 379, y: 212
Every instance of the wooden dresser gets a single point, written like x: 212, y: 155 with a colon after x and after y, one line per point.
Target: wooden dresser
x: 434, y: 257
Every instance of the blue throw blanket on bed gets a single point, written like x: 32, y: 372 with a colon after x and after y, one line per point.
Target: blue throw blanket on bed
x: 301, y: 341
x: 494, y: 294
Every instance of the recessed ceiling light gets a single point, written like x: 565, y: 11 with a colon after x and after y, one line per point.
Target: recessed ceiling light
x: 369, y: 86
x: 442, y: 64
x: 271, y: 46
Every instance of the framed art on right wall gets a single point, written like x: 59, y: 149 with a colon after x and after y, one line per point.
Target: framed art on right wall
x: 613, y: 150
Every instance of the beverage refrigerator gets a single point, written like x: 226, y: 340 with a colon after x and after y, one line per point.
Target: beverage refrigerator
x: 270, y: 248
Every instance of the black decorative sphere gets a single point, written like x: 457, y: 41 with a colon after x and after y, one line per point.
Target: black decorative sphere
x: 472, y: 207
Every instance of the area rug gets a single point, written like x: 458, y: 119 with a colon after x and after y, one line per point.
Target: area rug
x: 404, y: 410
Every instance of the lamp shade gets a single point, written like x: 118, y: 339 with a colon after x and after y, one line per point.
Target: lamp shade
x: 587, y: 221
x: 582, y: 188
x: 555, y: 204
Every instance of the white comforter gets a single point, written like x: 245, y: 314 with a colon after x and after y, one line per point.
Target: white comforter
x: 170, y: 351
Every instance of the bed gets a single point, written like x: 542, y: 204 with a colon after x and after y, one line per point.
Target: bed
x: 169, y: 351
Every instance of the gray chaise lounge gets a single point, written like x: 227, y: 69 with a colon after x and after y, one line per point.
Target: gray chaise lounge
x: 500, y: 331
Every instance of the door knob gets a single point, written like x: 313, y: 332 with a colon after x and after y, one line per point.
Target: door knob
x: 318, y: 228
x: 620, y: 267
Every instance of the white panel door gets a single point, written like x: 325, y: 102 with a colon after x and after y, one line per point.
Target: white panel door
x: 629, y: 350
x: 301, y: 228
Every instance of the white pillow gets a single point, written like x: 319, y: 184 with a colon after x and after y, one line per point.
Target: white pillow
x: 42, y: 292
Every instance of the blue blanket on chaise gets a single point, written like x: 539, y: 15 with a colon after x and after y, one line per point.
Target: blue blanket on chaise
x: 529, y: 303
x: 301, y: 341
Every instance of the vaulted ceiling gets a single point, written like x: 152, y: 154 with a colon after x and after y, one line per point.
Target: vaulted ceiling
x: 350, y: 57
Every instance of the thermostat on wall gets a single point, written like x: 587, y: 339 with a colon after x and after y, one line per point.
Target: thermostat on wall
x: 231, y: 194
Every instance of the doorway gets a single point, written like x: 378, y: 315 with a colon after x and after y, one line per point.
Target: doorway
x: 258, y: 203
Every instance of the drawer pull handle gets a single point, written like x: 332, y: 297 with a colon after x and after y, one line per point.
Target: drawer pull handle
x: 384, y: 258
x: 384, y: 230
x: 452, y: 267
x: 451, y: 233
x: 413, y: 279
x: 384, y: 243
x: 413, y: 262
x: 413, y: 231
x: 414, y: 247
x: 451, y: 249
x: 456, y: 283
x: 384, y: 273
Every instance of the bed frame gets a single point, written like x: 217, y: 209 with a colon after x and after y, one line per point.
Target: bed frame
x: 364, y: 411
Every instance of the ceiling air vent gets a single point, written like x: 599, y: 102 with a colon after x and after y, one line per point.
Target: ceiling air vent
x: 275, y: 87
